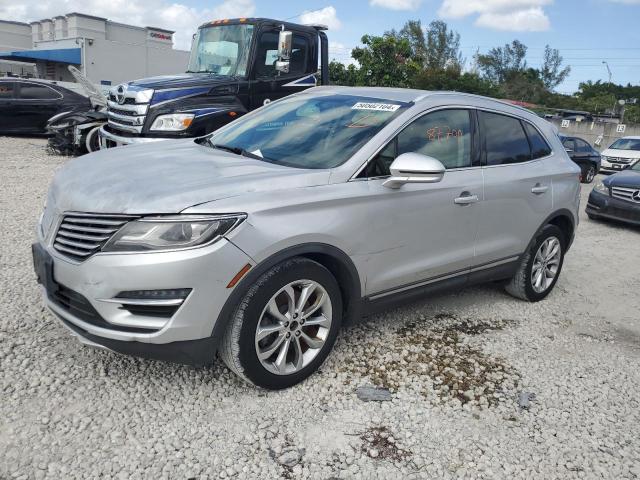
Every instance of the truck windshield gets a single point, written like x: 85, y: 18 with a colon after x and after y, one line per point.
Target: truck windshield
x: 309, y: 131
x: 222, y: 49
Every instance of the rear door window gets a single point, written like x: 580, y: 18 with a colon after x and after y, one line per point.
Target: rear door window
x: 505, y: 139
x: 582, y: 146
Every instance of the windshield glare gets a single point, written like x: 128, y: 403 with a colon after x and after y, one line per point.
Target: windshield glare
x: 310, y: 132
x: 626, y: 144
x: 223, y: 49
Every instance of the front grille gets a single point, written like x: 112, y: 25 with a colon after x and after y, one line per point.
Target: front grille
x: 127, y: 101
x: 78, y: 306
x: 81, y: 235
x: 624, y: 193
x: 126, y: 113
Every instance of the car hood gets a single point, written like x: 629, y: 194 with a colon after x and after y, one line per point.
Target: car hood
x: 182, y: 81
x: 167, y: 177
x: 626, y: 178
x: 611, y: 152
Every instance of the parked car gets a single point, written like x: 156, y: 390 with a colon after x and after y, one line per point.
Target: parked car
x: 27, y: 104
x: 623, y: 153
x: 260, y: 239
x: 584, y: 155
x: 617, y: 197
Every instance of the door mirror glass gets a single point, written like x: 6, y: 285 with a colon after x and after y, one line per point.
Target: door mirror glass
x: 285, y: 41
x: 414, y: 168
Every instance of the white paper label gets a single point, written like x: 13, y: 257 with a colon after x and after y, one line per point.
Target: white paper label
x: 380, y: 107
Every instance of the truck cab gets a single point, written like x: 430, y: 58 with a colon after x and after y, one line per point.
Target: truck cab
x: 236, y: 66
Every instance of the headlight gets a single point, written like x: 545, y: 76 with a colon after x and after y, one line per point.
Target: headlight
x: 174, y: 122
x: 171, y: 232
x: 604, y: 158
x: 601, y: 188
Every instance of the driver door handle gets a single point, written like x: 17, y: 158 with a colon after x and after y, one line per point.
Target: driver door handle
x: 466, y: 198
x: 539, y: 189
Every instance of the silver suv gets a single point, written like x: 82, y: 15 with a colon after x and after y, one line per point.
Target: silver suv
x: 260, y: 240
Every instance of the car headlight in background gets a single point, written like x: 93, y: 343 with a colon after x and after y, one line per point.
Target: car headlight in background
x: 171, y: 232
x: 601, y: 188
x: 174, y: 122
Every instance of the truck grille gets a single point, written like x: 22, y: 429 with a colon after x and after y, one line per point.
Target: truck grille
x: 81, y: 235
x: 624, y: 193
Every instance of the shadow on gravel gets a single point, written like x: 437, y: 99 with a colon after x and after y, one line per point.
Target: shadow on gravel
x: 435, y: 357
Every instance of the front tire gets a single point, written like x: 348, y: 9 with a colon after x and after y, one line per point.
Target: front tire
x: 588, y: 173
x: 285, y: 325
x: 540, y: 267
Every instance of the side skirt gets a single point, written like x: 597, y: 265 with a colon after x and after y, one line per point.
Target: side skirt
x: 401, y: 296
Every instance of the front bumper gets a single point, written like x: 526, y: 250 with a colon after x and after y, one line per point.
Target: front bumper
x: 614, y: 167
x: 604, y: 206
x: 110, y: 140
x: 85, y: 287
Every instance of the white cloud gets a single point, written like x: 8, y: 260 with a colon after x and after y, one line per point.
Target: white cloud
x: 156, y: 13
x: 514, y: 15
x: 325, y: 16
x: 396, y: 4
x: 530, y: 20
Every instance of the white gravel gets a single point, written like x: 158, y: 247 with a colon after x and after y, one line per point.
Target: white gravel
x: 458, y: 367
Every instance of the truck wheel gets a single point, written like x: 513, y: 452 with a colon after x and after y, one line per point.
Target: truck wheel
x: 540, y: 267
x: 588, y: 173
x: 285, y: 325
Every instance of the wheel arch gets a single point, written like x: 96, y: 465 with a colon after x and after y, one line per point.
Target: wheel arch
x: 329, y: 256
x: 564, y: 220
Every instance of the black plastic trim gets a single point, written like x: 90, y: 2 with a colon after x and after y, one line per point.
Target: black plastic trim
x: 197, y: 353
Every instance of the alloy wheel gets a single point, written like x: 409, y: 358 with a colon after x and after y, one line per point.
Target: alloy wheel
x: 293, y: 327
x: 546, y: 264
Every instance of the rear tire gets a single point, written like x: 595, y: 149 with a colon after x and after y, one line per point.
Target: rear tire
x: 301, y: 335
x: 540, y: 266
x: 92, y: 140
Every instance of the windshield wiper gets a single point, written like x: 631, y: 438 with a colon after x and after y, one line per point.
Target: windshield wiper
x: 237, y: 151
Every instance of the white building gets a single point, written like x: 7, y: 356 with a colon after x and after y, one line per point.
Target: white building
x: 107, y: 52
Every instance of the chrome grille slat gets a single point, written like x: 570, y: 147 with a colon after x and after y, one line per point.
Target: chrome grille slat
x: 81, y: 235
x: 79, y: 245
x: 77, y: 228
x: 624, y: 193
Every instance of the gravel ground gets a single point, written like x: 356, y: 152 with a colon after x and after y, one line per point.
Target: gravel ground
x: 482, y: 385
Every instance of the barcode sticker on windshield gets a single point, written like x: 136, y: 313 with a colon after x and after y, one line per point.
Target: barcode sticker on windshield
x: 380, y: 107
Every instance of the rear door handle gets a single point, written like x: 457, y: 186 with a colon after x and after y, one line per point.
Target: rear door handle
x: 466, y: 199
x: 539, y: 189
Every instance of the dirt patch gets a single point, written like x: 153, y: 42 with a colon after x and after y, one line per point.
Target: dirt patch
x: 439, y: 348
x: 379, y: 443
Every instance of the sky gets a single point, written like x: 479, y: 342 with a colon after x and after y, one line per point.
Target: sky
x: 587, y: 32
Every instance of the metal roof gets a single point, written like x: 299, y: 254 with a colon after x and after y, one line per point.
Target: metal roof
x: 60, y: 55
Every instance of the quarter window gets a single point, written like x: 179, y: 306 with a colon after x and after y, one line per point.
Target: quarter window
x: 539, y: 147
x: 505, y: 139
x: 29, y: 91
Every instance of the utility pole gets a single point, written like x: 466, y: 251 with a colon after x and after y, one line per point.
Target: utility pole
x: 608, y: 69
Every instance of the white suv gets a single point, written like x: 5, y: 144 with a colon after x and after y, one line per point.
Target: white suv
x: 622, y: 154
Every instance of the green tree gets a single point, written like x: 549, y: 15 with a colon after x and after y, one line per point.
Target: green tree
x: 434, y: 48
x: 552, y: 74
x: 385, y: 61
x: 502, y: 62
x: 339, y: 74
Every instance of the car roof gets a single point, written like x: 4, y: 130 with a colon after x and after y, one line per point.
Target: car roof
x: 407, y: 95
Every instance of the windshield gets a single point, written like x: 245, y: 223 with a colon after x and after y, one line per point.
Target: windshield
x: 626, y: 144
x: 223, y: 49
x: 309, y: 132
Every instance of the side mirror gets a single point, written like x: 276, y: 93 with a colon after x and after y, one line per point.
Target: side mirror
x: 414, y: 168
x: 285, y: 40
